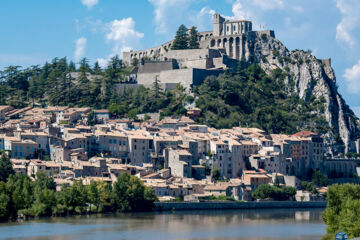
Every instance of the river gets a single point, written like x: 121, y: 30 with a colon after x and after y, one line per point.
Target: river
x: 195, y: 225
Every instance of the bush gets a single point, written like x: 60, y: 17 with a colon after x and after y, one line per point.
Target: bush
x: 343, y: 211
x: 266, y: 191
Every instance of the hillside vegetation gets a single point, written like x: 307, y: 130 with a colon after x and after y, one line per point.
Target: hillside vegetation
x: 246, y: 97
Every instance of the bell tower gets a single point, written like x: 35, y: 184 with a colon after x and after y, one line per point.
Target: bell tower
x: 218, y: 24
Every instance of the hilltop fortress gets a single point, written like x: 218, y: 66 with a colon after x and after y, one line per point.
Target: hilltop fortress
x: 220, y: 49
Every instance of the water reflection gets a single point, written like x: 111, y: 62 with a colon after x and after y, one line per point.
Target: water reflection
x: 200, y: 225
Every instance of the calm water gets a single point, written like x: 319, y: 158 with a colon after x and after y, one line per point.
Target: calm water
x: 201, y: 225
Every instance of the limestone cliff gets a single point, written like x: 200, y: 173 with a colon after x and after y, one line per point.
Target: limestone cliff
x: 307, y: 77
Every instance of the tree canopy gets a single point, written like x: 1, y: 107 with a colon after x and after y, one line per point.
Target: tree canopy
x: 342, y: 211
x: 20, y: 195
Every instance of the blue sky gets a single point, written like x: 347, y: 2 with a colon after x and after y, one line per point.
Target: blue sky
x: 36, y: 31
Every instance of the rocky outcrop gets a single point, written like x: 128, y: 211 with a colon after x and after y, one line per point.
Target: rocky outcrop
x: 308, y: 77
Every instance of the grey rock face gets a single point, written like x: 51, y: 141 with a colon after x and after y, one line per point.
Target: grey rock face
x: 309, y: 76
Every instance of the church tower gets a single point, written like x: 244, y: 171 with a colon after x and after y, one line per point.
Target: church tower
x: 218, y: 24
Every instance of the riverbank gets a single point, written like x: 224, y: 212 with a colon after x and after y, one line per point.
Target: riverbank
x: 168, y: 206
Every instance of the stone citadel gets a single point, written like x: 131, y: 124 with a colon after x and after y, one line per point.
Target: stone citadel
x: 220, y: 49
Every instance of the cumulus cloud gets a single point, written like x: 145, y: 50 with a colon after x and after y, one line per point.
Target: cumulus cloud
x: 352, y: 77
x: 269, y: 4
x: 80, y: 47
x: 350, y: 21
x: 89, y: 3
x: 123, y: 35
x: 102, y: 62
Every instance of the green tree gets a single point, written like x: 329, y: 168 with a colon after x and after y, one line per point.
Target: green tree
x: 106, y: 196
x: 181, y: 39
x: 193, y: 39
x: 342, y: 211
x: 134, y: 62
x: 91, y: 119
x: 216, y: 173
x: 6, y: 168
x: 93, y: 195
x: 131, y: 194
x: 97, y: 69
x: 320, y: 179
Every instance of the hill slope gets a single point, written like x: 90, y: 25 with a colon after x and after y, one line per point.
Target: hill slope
x: 307, y: 77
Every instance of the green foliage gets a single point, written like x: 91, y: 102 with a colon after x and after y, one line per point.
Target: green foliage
x: 131, y: 194
x: 222, y: 198
x: 207, y: 169
x: 319, y: 179
x: 20, y: 195
x: 52, y: 84
x: 91, y: 120
x: 5, y: 167
x: 252, y: 98
x: 135, y: 62
x: 181, y: 39
x: 352, y: 155
x: 266, y: 191
x: 308, y: 186
x: 193, y: 39
x: 216, y: 173
x: 343, y: 210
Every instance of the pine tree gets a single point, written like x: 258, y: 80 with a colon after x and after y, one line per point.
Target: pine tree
x: 97, y: 69
x: 72, y: 67
x: 157, y: 88
x: 193, y: 39
x: 181, y: 39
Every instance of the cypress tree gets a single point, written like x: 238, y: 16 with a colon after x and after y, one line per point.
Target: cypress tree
x: 181, y: 39
x: 193, y: 39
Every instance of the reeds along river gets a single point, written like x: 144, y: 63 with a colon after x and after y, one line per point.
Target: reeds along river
x: 260, y: 224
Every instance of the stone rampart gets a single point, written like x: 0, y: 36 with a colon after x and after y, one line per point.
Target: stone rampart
x: 186, y: 77
x: 166, y: 206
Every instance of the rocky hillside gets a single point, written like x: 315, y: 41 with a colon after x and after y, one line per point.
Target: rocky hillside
x: 308, y: 77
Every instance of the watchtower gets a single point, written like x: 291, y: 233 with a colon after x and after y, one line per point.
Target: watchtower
x: 218, y: 24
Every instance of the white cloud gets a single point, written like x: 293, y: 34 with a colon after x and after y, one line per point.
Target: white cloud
x: 269, y: 4
x: 239, y: 11
x: 80, y: 47
x: 350, y: 21
x: 102, y: 62
x: 89, y: 3
x: 123, y: 35
x: 352, y: 77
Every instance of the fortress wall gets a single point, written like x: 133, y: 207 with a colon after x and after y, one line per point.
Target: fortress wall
x: 269, y: 33
x: 146, y: 78
x: 121, y: 87
x: 199, y: 75
x: 219, y: 62
x: 183, y: 76
x: 188, y: 54
x: 157, y: 66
